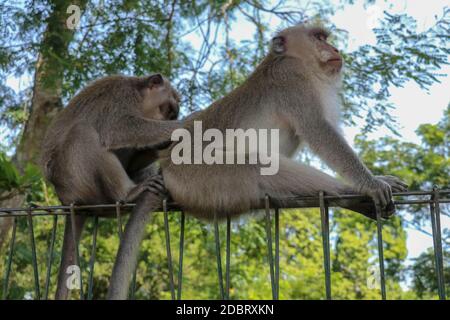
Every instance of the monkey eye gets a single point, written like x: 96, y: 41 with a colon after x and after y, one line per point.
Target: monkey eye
x: 169, y: 111
x: 321, y: 36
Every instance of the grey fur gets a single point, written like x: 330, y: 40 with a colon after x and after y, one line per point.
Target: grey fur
x: 100, y: 148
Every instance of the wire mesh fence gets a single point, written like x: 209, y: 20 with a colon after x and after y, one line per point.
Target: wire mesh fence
x: 272, y: 207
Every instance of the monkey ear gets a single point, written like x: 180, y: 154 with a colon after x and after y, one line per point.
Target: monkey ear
x: 155, y: 80
x: 279, y: 44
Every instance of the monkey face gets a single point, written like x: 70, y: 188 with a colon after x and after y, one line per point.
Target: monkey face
x: 328, y: 56
x: 309, y: 45
x: 160, y: 100
x: 169, y: 110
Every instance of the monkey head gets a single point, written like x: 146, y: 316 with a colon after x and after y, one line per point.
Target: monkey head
x: 309, y: 45
x: 161, y: 100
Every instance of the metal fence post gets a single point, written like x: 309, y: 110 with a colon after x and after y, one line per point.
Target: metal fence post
x: 277, y: 252
x: 437, y: 242
x: 168, y: 251
x: 218, y: 256
x: 228, y: 257
x: 380, y: 252
x: 325, y: 224
x: 50, y: 256
x: 92, y: 259
x: 180, y: 259
x: 75, y: 244
x: 269, y: 247
x: 10, y: 256
x: 37, y: 290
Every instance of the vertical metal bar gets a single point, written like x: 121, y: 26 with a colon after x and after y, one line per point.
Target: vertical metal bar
x: 169, y: 254
x: 269, y: 246
x: 437, y: 211
x: 380, y: 252
x: 180, y: 259
x: 37, y: 290
x: 50, y: 256
x: 219, y: 260
x: 92, y: 259
x: 325, y: 224
x: 277, y: 251
x: 10, y: 256
x: 437, y: 242
x: 119, y: 219
x: 228, y: 256
x: 77, y: 252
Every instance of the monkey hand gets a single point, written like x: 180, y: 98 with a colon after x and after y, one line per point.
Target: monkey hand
x: 153, y: 183
x: 381, y: 193
x: 396, y: 184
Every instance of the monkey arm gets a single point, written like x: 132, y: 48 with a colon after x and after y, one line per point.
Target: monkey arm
x: 327, y: 142
x: 137, y: 132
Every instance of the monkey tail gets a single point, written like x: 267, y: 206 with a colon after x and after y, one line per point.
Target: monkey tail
x: 127, y: 255
x: 68, y: 257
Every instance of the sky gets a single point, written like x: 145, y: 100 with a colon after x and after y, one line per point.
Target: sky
x: 414, y: 106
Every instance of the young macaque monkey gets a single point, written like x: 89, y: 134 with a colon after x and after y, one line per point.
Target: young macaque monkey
x: 99, y: 148
x: 295, y: 90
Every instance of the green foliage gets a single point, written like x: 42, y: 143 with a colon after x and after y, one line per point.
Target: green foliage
x: 12, y: 182
x: 424, y: 275
x: 9, y: 177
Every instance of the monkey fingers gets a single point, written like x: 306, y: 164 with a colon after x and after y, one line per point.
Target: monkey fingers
x: 386, y: 204
x: 396, y: 184
x: 389, y: 211
x: 155, y: 184
x: 381, y: 196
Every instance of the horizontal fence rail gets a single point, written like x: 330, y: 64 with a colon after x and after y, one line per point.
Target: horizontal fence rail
x: 272, y: 209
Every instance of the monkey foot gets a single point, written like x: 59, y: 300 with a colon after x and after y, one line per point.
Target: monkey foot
x: 153, y: 184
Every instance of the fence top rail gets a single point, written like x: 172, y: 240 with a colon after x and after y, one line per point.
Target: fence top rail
x: 400, y: 198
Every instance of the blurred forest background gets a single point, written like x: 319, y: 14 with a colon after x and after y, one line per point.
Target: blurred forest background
x: 137, y: 37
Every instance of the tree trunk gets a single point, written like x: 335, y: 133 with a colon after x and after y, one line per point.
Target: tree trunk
x: 46, y: 101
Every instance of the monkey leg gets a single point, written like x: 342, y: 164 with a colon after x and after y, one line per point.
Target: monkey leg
x: 117, y: 185
x: 68, y: 255
x: 294, y: 179
x: 235, y: 189
x: 127, y: 255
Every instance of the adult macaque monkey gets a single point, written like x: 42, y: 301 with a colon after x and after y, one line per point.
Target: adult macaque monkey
x: 294, y: 89
x: 94, y: 152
